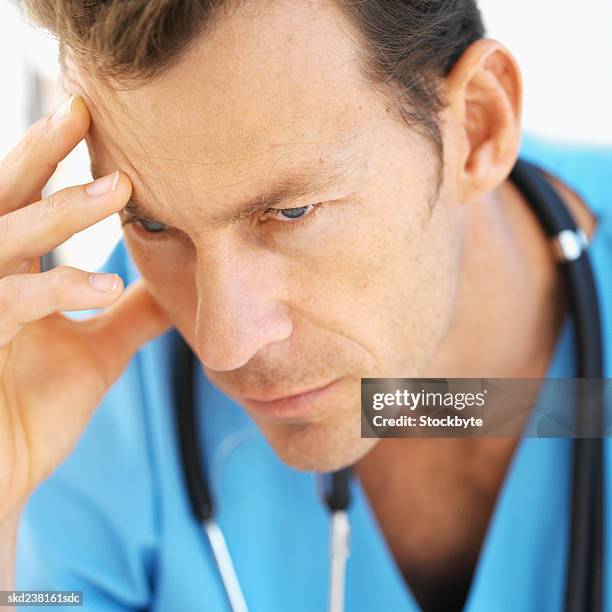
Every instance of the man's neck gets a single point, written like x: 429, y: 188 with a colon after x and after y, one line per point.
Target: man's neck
x: 509, y: 315
x: 510, y: 300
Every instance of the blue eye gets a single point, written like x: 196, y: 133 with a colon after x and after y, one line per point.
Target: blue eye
x: 290, y: 214
x: 153, y: 227
x: 293, y: 213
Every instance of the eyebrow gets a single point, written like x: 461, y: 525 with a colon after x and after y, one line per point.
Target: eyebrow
x: 298, y: 184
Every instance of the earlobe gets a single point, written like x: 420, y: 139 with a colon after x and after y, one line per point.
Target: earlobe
x: 484, y: 95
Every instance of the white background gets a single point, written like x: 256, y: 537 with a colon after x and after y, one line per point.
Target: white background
x: 563, y: 46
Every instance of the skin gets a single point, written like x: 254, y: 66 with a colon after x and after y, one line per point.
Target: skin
x: 45, y: 403
x: 388, y: 276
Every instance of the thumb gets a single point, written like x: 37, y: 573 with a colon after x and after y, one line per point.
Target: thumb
x: 118, y: 332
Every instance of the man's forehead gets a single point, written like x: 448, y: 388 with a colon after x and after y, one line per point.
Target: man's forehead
x: 259, y: 93
x: 218, y: 177
x: 287, y: 67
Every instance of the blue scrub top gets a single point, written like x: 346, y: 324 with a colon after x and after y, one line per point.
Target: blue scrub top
x: 114, y: 519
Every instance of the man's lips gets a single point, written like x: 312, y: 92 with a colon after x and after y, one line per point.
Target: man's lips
x: 298, y: 405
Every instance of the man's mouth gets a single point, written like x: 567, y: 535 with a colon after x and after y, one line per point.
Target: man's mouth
x: 291, y: 406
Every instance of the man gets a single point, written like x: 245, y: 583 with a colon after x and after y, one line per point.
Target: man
x: 312, y: 192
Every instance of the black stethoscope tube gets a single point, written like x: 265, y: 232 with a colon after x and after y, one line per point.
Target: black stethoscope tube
x: 200, y: 498
x: 584, y: 581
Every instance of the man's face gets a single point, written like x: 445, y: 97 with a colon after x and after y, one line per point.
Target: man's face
x: 271, y: 108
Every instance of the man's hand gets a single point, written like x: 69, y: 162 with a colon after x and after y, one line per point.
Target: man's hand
x: 54, y: 371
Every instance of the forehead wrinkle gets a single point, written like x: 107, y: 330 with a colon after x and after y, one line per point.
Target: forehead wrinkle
x: 337, y: 150
x: 222, y: 162
x: 126, y: 166
x: 293, y: 185
x: 126, y: 152
x: 340, y: 142
x: 106, y: 121
x: 297, y: 184
x: 114, y: 150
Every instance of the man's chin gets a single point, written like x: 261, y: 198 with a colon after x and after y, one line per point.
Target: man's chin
x: 317, y: 446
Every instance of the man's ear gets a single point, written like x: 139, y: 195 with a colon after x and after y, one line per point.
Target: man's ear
x: 484, y: 95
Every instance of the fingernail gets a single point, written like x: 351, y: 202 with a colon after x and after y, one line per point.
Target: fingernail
x: 62, y: 111
x: 104, y: 185
x: 106, y: 283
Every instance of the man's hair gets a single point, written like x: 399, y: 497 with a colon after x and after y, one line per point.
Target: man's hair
x: 408, y: 46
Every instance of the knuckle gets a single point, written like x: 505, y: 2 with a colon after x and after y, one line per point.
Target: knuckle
x: 6, y: 184
x: 7, y: 294
x: 9, y: 324
x: 31, y: 136
x: 61, y: 274
x: 6, y: 223
x: 55, y: 207
x: 16, y: 157
x: 10, y: 237
x: 28, y: 139
x: 9, y: 227
x: 39, y: 129
x: 57, y: 280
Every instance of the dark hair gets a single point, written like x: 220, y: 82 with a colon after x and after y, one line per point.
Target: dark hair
x: 408, y: 45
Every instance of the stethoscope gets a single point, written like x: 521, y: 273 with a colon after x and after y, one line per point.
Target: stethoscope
x: 584, y: 577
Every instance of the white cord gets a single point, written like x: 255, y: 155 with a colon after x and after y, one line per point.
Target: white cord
x: 339, y: 553
x: 340, y: 550
x: 225, y: 566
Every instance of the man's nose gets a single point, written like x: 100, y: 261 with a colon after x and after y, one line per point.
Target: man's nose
x: 240, y: 307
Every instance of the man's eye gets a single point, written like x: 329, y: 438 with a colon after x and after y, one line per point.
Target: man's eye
x: 150, y: 226
x: 290, y: 214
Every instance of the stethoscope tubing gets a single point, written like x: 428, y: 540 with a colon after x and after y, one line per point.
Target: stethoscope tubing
x: 584, y: 576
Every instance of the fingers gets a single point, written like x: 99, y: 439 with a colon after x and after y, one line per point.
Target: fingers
x: 25, y: 298
x: 38, y: 228
x: 27, y: 168
x: 123, y: 328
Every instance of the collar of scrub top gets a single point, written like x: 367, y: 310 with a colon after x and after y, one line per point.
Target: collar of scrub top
x: 584, y: 583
